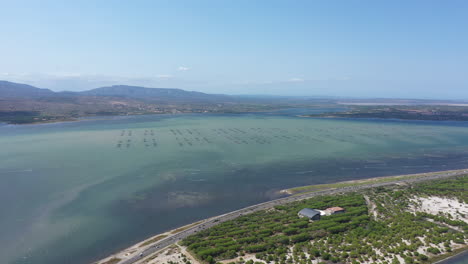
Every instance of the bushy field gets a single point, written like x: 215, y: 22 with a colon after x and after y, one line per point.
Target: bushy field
x: 273, y: 230
x: 394, y: 236
x: 455, y: 188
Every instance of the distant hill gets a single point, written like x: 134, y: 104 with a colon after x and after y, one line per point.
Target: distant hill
x: 138, y: 92
x: 173, y: 95
x: 19, y: 90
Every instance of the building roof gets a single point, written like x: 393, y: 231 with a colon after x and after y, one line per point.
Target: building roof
x: 335, y: 209
x: 307, y: 212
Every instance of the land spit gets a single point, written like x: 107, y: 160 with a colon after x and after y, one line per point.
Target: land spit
x: 145, y: 249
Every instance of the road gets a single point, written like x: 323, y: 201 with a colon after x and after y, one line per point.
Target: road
x: 266, y: 205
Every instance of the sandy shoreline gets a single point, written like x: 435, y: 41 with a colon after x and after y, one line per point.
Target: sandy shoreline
x: 162, y: 241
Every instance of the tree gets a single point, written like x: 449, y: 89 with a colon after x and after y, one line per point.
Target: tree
x: 423, y: 257
x: 210, y: 260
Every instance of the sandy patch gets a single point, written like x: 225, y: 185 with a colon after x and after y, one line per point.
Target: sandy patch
x: 440, y: 205
x: 183, y: 250
x: 172, y: 254
x: 372, y: 207
x: 246, y: 258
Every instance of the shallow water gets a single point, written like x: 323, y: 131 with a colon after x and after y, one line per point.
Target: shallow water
x: 76, y: 192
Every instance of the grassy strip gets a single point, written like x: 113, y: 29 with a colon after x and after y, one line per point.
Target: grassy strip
x: 184, y: 227
x: 321, y: 187
x: 155, y: 239
x: 112, y: 261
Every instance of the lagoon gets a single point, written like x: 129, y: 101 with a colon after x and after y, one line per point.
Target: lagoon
x: 76, y: 192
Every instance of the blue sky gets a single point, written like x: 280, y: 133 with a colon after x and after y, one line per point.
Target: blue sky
x: 416, y: 49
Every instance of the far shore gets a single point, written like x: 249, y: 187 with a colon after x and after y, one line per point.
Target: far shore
x: 153, y: 244
x: 106, y: 117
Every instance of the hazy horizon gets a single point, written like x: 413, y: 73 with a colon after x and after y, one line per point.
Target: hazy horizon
x: 265, y: 95
x: 394, y: 49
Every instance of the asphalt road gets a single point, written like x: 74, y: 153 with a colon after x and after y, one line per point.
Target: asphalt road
x: 266, y: 205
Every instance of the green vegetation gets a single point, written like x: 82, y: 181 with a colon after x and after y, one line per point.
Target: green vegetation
x: 409, y: 112
x: 390, y: 234
x: 456, y: 188
x: 28, y: 117
x: 272, y: 231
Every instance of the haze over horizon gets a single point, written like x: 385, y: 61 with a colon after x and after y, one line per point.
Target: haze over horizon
x: 416, y: 49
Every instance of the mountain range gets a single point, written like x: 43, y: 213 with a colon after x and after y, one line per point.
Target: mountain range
x: 19, y: 90
x: 22, y: 103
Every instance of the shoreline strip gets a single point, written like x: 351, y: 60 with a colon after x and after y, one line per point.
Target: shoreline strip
x: 136, y: 252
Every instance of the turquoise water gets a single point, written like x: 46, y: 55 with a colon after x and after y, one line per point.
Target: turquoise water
x: 76, y: 192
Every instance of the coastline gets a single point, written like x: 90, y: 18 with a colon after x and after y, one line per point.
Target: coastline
x: 156, y: 243
x: 331, y: 116
x: 319, y: 116
x: 460, y: 254
x: 105, y: 117
x: 316, y: 187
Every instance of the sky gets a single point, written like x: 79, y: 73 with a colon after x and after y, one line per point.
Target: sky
x: 350, y: 48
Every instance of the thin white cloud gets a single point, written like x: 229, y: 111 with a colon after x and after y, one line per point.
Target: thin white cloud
x: 296, y: 80
x: 183, y: 68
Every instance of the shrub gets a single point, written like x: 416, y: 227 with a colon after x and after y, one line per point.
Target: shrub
x: 433, y: 250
